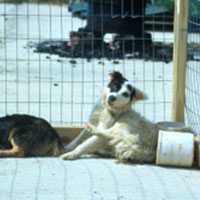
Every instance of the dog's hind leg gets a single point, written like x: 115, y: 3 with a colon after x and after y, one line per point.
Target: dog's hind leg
x: 15, y: 151
x: 134, y: 153
x: 84, y: 135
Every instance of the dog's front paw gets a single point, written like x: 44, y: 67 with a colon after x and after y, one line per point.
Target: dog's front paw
x: 69, y: 156
x: 91, y: 128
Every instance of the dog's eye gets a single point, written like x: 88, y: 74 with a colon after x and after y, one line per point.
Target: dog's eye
x: 125, y: 94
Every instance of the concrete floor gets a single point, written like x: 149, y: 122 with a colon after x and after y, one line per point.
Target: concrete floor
x: 94, y: 179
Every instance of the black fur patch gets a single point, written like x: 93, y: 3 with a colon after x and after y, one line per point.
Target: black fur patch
x: 132, y: 90
x: 133, y: 93
x: 117, y: 80
x: 129, y: 87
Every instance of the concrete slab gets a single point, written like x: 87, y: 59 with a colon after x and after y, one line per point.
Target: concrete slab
x: 94, y: 179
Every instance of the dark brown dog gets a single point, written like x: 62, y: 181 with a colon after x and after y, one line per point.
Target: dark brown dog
x: 27, y: 136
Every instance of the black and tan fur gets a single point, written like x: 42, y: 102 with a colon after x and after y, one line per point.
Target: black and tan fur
x: 28, y: 136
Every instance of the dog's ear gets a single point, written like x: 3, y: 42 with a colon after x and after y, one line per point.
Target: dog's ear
x: 116, y: 76
x: 139, y: 95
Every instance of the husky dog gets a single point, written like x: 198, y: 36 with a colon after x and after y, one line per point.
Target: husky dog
x: 26, y: 135
x: 119, y: 131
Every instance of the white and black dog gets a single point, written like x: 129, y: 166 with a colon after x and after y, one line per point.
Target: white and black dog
x: 119, y: 131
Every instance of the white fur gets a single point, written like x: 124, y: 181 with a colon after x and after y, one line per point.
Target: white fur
x: 121, y: 132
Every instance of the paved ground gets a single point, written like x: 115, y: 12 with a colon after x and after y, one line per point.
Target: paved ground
x: 94, y: 179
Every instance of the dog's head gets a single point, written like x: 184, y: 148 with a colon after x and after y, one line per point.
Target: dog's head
x: 120, y: 93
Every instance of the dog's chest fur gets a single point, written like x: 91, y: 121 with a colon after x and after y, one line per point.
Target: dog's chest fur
x: 130, y: 122
x: 107, y: 120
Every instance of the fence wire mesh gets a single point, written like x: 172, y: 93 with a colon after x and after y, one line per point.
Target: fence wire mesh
x: 193, y: 71
x: 55, y: 55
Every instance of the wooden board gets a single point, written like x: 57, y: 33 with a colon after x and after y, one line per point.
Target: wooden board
x: 179, y: 59
x: 68, y: 133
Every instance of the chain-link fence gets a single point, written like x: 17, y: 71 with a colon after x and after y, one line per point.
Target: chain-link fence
x: 55, y: 55
x: 193, y: 67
